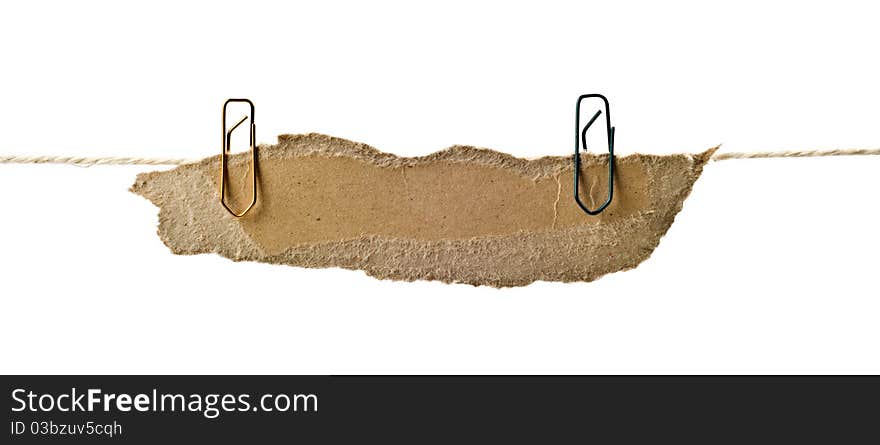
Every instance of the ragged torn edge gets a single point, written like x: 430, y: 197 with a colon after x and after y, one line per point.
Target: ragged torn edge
x: 462, y: 229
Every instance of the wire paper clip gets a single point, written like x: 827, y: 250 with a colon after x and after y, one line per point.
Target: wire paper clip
x: 580, y: 138
x: 227, y: 136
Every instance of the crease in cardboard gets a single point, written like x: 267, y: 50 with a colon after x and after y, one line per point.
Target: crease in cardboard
x: 463, y: 214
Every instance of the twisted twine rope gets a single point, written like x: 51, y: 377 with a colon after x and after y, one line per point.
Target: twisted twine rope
x: 795, y: 154
x: 89, y: 161
x: 113, y: 160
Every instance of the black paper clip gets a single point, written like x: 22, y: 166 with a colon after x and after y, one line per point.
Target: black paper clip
x: 580, y: 138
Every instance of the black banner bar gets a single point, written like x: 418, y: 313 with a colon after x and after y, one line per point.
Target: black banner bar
x: 453, y: 409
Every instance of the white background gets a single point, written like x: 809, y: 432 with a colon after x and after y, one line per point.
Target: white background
x: 771, y: 267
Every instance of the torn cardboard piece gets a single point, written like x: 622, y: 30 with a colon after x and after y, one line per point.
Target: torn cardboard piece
x: 464, y: 214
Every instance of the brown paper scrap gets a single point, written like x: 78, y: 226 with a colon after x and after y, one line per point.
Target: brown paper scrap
x: 464, y: 214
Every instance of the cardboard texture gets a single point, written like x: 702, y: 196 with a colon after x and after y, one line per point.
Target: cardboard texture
x: 464, y: 214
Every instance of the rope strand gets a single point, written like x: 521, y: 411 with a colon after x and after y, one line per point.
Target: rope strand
x: 795, y: 154
x: 115, y: 160
x: 89, y: 161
